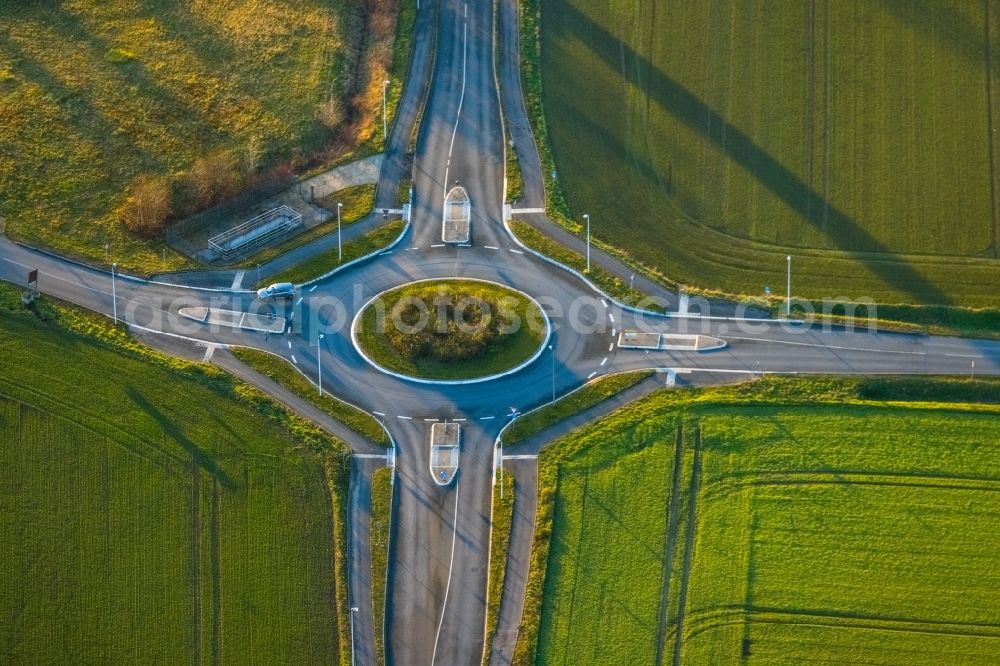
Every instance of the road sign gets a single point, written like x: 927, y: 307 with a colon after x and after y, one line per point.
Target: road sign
x: 33, y: 278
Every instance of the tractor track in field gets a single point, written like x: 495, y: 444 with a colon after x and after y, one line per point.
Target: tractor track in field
x: 689, y: 538
x: 216, y: 576
x: 196, y: 556
x: 670, y: 544
x: 991, y: 133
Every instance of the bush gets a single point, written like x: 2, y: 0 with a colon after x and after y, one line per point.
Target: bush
x: 148, y: 205
x: 213, y: 178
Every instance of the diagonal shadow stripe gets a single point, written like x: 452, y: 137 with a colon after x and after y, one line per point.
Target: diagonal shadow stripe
x: 696, y: 114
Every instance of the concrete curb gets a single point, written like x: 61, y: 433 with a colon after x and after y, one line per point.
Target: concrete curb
x: 447, y: 382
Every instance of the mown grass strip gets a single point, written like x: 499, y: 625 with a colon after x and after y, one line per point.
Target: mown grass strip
x: 379, y: 531
x: 503, y: 517
x: 285, y: 374
x: 585, y: 397
x: 610, y: 284
x: 322, y: 263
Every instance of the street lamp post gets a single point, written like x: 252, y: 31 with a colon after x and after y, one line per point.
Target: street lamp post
x: 788, y: 286
x: 354, y: 609
x: 114, y: 291
x: 385, y: 126
x: 586, y: 218
x: 552, y: 351
x: 319, y: 361
x: 340, y: 247
x: 258, y: 275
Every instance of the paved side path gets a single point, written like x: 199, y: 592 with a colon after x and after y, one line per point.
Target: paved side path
x: 300, y: 406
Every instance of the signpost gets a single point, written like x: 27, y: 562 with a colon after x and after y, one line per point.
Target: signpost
x: 32, y: 292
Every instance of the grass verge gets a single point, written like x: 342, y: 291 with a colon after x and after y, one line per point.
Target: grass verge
x: 583, y: 398
x: 322, y: 263
x: 381, y: 522
x: 608, y: 283
x: 503, y: 517
x: 283, y: 373
x: 130, y: 479
x: 473, y: 348
x: 688, y: 494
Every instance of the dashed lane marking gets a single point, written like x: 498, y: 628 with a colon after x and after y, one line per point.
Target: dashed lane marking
x: 379, y: 413
x: 603, y: 361
x: 299, y: 302
x: 289, y: 344
x: 491, y: 247
x: 516, y: 251
x: 405, y: 418
x: 382, y: 254
x: 486, y: 418
x: 604, y: 302
x: 612, y: 347
x: 431, y: 420
x: 438, y: 245
x: 611, y: 317
x: 591, y: 375
x: 295, y: 360
x: 313, y: 288
x: 614, y: 332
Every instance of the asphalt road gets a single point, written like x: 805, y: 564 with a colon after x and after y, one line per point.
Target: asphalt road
x: 436, y: 605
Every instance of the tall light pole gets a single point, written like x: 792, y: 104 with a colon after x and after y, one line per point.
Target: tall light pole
x: 340, y: 247
x: 552, y: 351
x: 114, y: 291
x: 385, y: 126
x: 354, y: 609
x: 258, y: 275
x: 788, y: 286
x: 319, y: 361
x: 586, y: 218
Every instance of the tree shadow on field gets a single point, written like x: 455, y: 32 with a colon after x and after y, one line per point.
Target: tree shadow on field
x: 202, y: 459
x: 954, y: 29
x: 688, y: 109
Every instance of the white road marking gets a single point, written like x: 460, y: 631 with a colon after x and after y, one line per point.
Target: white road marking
x: 591, y: 375
x: 451, y: 566
x: 237, y: 281
x: 379, y: 413
x: 614, y: 332
x: 964, y: 355
x: 604, y: 361
x: 521, y: 456
x: 491, y: 247
x: 382, y: 254
x: 486, y: 418
x: 605, y: 303
x: 295, y: 360
x: 611, y: 317
x: 612, y: 347
x: 458, y: 420
x: 299, y: 302
x: 313, y: 288
x: 208, y: 353
x: 516, y: 251
x: 412, y: 248
x: 405, y: 418
x: 821, y: 346
x: 370, y: 456
x: 289, y: 344
x: 458, y: 116
x: 438, y: 245
x: 431, y: 420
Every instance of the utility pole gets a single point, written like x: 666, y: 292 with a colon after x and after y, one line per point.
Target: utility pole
x: 788, y: 286
x: 319, y: 361
x: 114, y: 291
x: 340, y: 247
x: 586, y: 218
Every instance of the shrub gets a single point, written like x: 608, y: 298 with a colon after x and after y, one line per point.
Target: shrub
x: 148, y: 205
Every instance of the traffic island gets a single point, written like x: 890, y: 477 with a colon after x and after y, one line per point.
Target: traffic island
x: 450, y: 331
x: 247, y: 321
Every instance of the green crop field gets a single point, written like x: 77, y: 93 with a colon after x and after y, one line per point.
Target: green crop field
x: 819, y: 528
x: 156, y: 512
x: 95, y: 92
x: 715, y: 138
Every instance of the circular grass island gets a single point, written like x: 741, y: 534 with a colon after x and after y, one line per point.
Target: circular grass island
x: 454, y: 330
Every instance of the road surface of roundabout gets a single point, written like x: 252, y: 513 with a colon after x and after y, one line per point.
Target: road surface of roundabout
x: 450, y: 331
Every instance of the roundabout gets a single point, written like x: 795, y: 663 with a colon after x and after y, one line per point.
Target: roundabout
x: 450, y: 331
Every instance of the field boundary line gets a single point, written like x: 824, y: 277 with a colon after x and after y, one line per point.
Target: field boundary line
x: 688, y: 544
x: 670, y: 544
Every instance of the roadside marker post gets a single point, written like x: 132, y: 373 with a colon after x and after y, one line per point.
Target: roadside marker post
x: 114, y: 291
